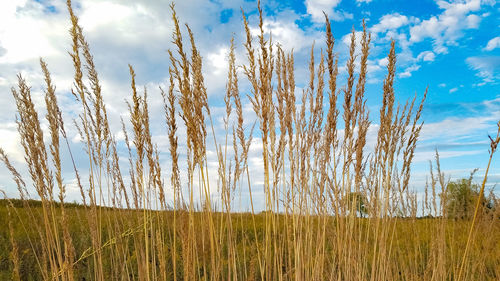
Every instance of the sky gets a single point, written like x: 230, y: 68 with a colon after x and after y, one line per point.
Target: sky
x: 451, y: 47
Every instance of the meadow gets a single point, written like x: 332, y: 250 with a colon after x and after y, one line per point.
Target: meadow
x: 335, y: 209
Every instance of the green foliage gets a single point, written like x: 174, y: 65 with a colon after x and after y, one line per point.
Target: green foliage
x: 359, y: 202
x: 461, y: 197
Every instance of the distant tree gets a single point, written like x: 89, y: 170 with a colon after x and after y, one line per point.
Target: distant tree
x: 461, y: 198
x: 493, y: 204
x: 359, y: 202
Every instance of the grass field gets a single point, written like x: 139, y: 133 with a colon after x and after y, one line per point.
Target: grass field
x: 335, y: 209
x: 418, y: 244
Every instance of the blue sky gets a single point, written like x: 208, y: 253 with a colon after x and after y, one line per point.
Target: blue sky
x: 453, y: 47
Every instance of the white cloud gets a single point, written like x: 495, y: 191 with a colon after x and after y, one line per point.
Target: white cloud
x: 407, y: 72
x: 425, y: 156
x: 473, y: 21
x: 10, y: 142
x: 342, y: 15
x: 372, y: 66
x: 316, y: 8
x: 364, y: 1
x: 493, y: 44
x: 442, y: 85
x: 447, y: 27
x: 216, y: 67
x: 486, y: 67
x: 426, y: 56
x: 383, y: 62
x: 218, y: 60
x: 390, y: 22
x: 346, y: 39
x: 27, y: 32
x: 104, y: 13
x: 452, y: 90
x: 289, y: 34
x: 459, y: 137
x: 428, y: 28
x: 454, y: 128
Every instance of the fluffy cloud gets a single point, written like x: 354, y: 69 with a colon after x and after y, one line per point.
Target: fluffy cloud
x: 383, y: 62
x: 472, y: 21
x: 443, y: 30
x: 10, y: 141
x: 289, y: 34
x: 447, y: 27
x: 390, y: 22
x: 426, y: 56
x: 316, y: 8
x: 407, y: 72
x: 106, y: 13
x: 28, y: 32
x: 346, y: 39
x: 493, y: 44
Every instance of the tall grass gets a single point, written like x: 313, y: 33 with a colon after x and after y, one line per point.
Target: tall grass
x: 320, y: 177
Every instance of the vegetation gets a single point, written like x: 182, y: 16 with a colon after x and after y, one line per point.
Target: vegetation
x: 316, y: 181
x: 359, y: 201
x: 461, y: 196
x: 413, y: 238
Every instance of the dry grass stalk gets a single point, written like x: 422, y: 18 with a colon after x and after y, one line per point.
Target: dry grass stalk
x: 313, y: 227
x: 56, y: 126
x: 14, y: 253
x: 493, y: 147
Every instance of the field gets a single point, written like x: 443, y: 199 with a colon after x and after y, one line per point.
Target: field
x: 417, y: 246
x: 335, y: 209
